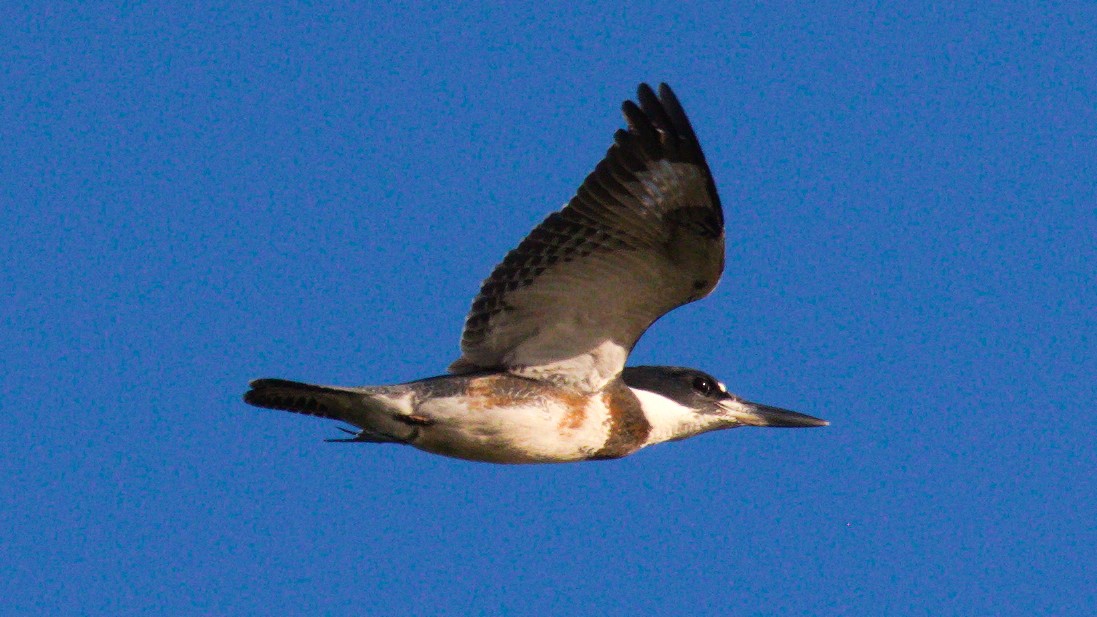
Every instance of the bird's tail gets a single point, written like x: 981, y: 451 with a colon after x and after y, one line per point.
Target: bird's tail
x: 354, y: 406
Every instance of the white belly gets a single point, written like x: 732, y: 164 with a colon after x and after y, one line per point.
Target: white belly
x: 527, y: 431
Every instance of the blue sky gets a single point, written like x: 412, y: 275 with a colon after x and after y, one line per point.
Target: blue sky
x: 193, y: 198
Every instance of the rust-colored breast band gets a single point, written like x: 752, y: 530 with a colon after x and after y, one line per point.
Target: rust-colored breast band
x: 628, y: 427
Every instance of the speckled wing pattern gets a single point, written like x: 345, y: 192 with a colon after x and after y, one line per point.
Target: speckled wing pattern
x: 644, y: 234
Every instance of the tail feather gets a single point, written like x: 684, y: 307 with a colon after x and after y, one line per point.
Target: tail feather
x: 321, y: 401
x: 352, y: 406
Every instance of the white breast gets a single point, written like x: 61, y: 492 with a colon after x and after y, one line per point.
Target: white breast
x: 532, y: 430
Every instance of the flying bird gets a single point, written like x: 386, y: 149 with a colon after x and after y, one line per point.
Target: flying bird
x: 542, y: 375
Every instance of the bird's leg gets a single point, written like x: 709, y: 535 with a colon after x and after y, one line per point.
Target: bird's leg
x: 358, y: 436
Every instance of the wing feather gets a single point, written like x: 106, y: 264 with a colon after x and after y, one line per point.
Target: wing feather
x: 643, y: 234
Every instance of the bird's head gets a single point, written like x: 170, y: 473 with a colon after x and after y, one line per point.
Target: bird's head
x: 681, y: 402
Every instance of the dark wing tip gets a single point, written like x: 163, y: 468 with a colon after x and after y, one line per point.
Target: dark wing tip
x: 673, y: 109
x: 654, y: 110
x: 666, y: 114
x: 658, y: 125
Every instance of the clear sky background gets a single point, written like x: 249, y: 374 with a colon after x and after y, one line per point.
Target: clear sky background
x: 192, y: 198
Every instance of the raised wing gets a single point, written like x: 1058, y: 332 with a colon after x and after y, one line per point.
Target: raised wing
x: 644, y: 234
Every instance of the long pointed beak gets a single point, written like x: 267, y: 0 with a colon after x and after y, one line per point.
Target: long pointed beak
x: 754, y: 414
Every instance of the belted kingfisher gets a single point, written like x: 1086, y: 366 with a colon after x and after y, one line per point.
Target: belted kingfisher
x: 542, y: 375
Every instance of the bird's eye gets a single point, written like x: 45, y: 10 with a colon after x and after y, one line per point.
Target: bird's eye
x: 704, y: 385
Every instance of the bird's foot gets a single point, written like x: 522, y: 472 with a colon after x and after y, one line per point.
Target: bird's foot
x: 358, y: 436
